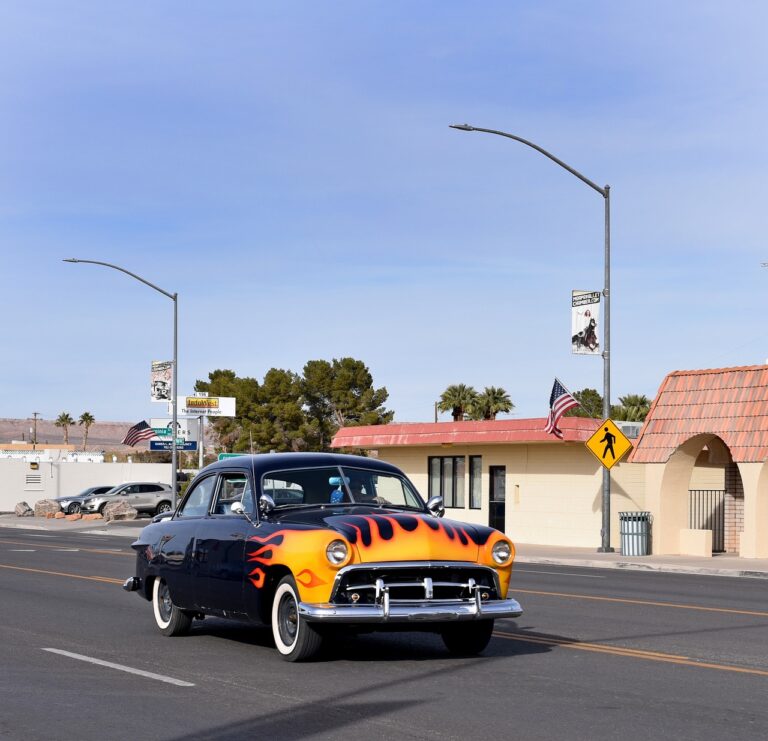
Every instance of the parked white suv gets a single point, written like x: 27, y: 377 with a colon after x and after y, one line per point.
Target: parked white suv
x: 145, y: 496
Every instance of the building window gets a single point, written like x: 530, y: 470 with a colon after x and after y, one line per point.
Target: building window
x: 446, y: 479
x: 475, y: 481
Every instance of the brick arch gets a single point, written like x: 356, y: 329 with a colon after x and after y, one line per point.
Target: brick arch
x: 671, y: 510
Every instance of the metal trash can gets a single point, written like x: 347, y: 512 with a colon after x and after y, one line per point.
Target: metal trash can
x: 635, y: 533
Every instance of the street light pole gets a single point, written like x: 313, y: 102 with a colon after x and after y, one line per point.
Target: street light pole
x: 605, y: 192
x: 175, y: 298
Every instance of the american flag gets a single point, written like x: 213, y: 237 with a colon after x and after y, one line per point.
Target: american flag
x: 560, y: 401
x: 140, y: 431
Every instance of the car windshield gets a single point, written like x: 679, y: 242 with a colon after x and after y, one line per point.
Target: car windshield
x: 309, y: 487
x: 113, y: 490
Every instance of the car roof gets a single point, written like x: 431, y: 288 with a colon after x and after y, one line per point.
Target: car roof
x: 264, y: 462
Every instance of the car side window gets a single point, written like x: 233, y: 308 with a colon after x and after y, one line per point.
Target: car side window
x: 198, y: 500
x: 234, y: 487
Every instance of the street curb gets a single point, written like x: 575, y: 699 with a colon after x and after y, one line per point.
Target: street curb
x: 634, y: 566
x: 127, y: 531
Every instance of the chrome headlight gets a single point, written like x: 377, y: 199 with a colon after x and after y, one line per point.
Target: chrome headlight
x: 337, y: 552
x: 501, y: 552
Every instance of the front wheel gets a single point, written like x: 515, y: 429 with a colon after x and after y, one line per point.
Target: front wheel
x: 170, y: 619
x: 295, y: 639
x: 467, y: 639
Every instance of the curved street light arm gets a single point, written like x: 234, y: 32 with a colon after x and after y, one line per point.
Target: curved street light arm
x: 123, y: 270
x: 175, y: 298
x: 605, y: 532
x: 466, y: 127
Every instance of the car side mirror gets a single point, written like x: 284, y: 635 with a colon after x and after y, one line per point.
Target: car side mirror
x: 266, y: 504
x: 237, y: 508
x: 435, y: 506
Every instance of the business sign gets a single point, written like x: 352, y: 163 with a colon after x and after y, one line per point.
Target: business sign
x: 166, y: 444
x: 205, y: 406
x: 226, y: 456
x: 609, y: 444
x: 186, y: 429
x: 585, y: 322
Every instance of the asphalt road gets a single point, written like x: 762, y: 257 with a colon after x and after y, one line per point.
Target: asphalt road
x: 598, y: 654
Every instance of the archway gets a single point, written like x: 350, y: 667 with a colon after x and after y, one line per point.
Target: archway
x: 700, y: 490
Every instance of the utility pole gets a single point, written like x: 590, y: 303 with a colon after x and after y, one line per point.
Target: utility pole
x: 35, y: 415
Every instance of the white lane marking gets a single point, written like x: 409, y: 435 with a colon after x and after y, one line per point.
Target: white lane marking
x: 35, y: 535
x: 22, y: 550
x: 560, y: 573
x: 120, y: 667
x: 66, y: 550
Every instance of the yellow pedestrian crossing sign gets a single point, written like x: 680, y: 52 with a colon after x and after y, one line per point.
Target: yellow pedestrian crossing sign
x: 609, y: 444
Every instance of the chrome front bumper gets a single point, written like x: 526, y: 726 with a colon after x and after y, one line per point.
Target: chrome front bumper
x: 388, y: 611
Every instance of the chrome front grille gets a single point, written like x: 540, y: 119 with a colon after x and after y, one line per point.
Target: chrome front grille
x: 442, y: 582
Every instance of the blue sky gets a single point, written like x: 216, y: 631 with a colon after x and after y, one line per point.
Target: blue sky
x: 289, y: 170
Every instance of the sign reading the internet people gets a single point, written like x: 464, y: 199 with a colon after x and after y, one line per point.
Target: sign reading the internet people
x: 205, y: 406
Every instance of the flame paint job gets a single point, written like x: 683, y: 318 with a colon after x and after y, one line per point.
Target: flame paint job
x: 302, y: 550
x: 373, y: 538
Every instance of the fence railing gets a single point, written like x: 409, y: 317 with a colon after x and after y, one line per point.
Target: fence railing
x: 706, y: 511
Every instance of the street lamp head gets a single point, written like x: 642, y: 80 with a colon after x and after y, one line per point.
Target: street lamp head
x: 462, y: 127
x: 70, y: 259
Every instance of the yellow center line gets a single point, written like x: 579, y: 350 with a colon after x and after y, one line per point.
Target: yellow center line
x: 629, y: 652
x: 624, y: 600
x: 59, y: 547
x: 104, y: 579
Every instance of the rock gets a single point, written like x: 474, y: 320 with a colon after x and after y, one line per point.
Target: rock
x: 22, y: 509
x: 45, y: 507
x: 94, y: 516
x: 119, y: 511
x: 72, y: 518
x: 59, y: 516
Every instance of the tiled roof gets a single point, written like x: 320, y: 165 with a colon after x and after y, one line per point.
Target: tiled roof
x: 731, y: 403
x: 575, y: 429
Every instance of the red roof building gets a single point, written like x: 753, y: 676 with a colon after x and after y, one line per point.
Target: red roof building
x: 731, y: 403
x: 486, y: 432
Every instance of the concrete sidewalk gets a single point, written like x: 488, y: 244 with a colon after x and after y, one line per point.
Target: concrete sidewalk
x: 126, y: 528
x: 527, y: 553
x: 718, y: 565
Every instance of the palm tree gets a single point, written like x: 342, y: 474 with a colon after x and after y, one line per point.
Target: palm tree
x: 491, y: 402
x: 86, y: 420
x: 64, y: 420
x: 458, y: 400
x: 632, y: 408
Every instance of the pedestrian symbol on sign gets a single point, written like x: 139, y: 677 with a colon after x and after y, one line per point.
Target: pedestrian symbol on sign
x: 608, y: 439
x: 609, y: 444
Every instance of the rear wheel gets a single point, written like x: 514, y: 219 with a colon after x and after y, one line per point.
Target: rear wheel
x: 467, y: 639
x: 170, y: 619
x: 295, y: 638
x: 162, y: 508
x: 73, y: 509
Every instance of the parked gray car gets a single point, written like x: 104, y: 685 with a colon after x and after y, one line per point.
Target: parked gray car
x: 73, y: 504
x: 149, y: 497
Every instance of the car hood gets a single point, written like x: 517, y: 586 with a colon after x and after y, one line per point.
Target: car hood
x: 394, y: 535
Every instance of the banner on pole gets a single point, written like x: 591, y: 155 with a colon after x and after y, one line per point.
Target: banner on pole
x: 585, y: 322
x: 161, y: 381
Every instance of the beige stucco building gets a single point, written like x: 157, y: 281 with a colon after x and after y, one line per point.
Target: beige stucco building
x: 698, y: 467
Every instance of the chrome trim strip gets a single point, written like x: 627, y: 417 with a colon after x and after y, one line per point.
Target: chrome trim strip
x: 410, y: 612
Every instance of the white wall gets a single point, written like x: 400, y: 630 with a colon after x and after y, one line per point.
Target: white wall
x: 20, y: 483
